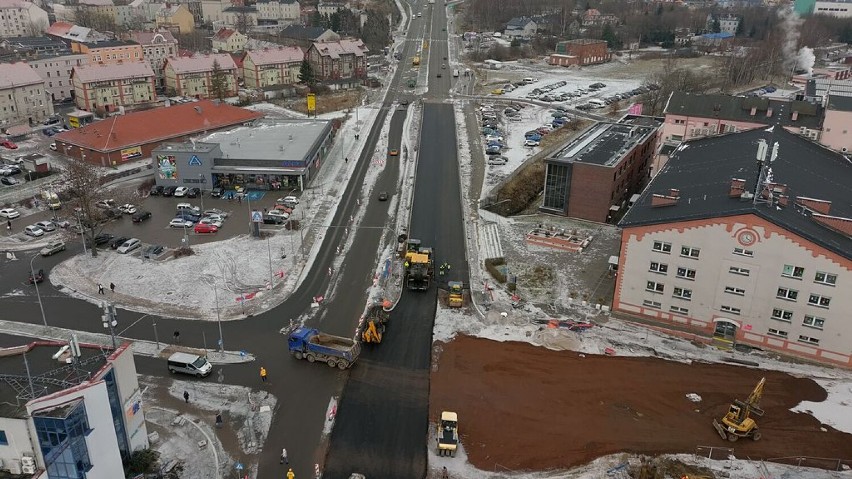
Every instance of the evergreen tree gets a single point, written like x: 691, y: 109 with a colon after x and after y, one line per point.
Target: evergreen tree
x: 306, y: 74
x: 218, y: 82
x: 612, y: 40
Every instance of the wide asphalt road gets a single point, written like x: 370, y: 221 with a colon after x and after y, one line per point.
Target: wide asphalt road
x: 382, y: 426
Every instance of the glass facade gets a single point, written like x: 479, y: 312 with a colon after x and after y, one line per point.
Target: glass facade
x: 117, y: 414
x: 63, y: 441
x: 557, y: 181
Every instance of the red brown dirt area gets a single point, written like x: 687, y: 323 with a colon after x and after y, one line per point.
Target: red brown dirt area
x: 529, y: 408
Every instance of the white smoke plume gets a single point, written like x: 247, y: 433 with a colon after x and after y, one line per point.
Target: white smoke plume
x: 807, y: 59
x: 790, y: 25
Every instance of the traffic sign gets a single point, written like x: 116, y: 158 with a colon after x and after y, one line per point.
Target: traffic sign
x: 238, y: 466
x: 256, y: 217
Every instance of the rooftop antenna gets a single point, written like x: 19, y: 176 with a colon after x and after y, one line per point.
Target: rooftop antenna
x: 764, y: 169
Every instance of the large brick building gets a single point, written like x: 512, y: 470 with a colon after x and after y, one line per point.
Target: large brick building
x: 745, y: 251
x: 594, y: 175
x: 345, y: 59
x: 580, y: 52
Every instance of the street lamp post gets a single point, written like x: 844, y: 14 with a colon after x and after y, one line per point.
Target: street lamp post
x: 38, y: 295
x: 201, y: 177
x: 219, y: 321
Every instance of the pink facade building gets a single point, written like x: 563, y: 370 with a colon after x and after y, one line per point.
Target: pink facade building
x: 837, y: 126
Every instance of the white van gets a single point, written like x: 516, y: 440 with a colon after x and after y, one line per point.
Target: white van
x: 597, y: 103
x: 456, y: 73
x: 529, y: 80
x: 191, y: 364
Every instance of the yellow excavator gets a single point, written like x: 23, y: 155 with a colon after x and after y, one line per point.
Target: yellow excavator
x: 737, y: 422
x: 375, y: 322
x: 455, y: 298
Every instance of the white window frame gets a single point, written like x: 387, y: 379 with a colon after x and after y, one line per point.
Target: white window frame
x: 808, y: 340
x: 819, y: 300
x: 652, y: 304
x: 730, y: 309
x: 814, y: 322
x: 735, y: 290
x: 686, y: 273
x: 744, y: 252
x: 784, y: 315
x: 739, y: 270
x: 652, y: 287
x: 689, y: 252
x: 790, y: 270
x: 684, y: 293
x: 657, y: 267
x: 777, y: 332
x: 678, y: 310
x: 787, y: 294
x: 663, y: 247
x: 828, y: 279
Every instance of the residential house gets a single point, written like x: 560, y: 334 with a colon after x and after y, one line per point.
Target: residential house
x: 593, y: 176
x: 728, y: 22
x: 175, y: 18
x: 305, y: 36
x: 690, y: 116
x: 156, y: 47
x: 683, y: 37
x: 240, y: 17
x: 745, y: 238
x: 110, y: 51
x: 192, y: 76
x: 837, y: 126
x: 282, y: 12
x: 520, y: 28
x: 22, y: 95
x: 19, y: 18
x: 229, y: 40
x: 593, y: 17
x: 272, y: 67
x: 55, y: 70
x: 69, y: 33
x: 136, y: 14
x: 131, y: 85
x: 327, y: 9
x: 341, y: 60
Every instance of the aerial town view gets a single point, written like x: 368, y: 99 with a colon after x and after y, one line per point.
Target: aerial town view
x: 426, y: 239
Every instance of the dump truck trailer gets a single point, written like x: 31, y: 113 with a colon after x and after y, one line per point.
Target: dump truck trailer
x: 311, y: 344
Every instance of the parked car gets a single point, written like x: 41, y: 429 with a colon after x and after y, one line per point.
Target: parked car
x: 288, y: 199
x: 37, y: 278
x: 188, y: 217
x: 180, y: 223
x: 8, y: 144
x: 180, y: 192
x: 116, y: 242
x: 127, y: 209
x: 140, y: 216
x: 170, y: 191
x: 9, y: 181
x: 152, y: 251
x: 105, y: 204
x: 279, y: 213
x: 273, y: 220
x: 383, y: 196
x: 211, y: 221
x: 215, y: 211
x: 202, y: 228
x: 193, y: 193
x: 53, y: 247
x: 102, y: 239
x: 47, y: 226
x: 64, y: 224
x: 9, y: 213
x: 188, y: 208
x: 497, y: 160
x: 157, y: 190
x: 53, y: 146
x: 52, y: 120
x: 216, y: 192
x: 531, y: 143
x: 50, y: 131
x: 34, y: 231
x: 9, y: 170
x: 129, y: 246
x: 492, y: 150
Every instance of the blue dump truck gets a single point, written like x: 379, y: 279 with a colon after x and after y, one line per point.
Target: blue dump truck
x: 336, y: 351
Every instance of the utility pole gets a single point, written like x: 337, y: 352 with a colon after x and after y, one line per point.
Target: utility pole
x: 109, y: 319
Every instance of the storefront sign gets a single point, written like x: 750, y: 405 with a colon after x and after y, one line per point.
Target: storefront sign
x: 194, y: 161
x: 292, y: 164
x: 167, y: 167
x: 131, y: 153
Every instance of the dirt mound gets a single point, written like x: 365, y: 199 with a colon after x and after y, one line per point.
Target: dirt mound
x: 529, y: 408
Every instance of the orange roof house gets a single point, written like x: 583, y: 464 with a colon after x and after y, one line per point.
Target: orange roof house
x: 126, y: 137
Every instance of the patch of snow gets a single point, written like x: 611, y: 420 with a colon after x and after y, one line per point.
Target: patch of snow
x: 836, y: 410
x: 693, y: 397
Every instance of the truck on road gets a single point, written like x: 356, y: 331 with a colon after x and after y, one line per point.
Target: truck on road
x: 311, y: 344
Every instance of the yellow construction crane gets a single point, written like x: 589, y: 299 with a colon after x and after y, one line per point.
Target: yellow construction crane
x: 737, y: 422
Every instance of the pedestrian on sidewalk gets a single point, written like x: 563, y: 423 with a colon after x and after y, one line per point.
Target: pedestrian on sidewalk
x: 263, y: 374
x: 186, y: 396
x: 240, y: 199
x: 346, y: 159
x: 112, y: 287
x: 9, y: 226
x: 219, y: 420
x: 100, y: 289
x: 284, y: 459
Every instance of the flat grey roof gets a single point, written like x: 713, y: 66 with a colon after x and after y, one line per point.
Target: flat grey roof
x: 271, y: 140
x: 48, y: 375
x: 187, y: 147
x: 603, y: 144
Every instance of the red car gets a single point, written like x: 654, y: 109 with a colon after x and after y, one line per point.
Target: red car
x: 205, y: 228
x: 8, y: 144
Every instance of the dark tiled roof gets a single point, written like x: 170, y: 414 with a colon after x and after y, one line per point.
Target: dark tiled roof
x: 839, y: 103
x: 738, y: 108
x: 702, y: 171
x: 302, y: 33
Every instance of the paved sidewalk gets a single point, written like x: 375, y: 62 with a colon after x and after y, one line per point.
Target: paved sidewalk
x: 140, y: 347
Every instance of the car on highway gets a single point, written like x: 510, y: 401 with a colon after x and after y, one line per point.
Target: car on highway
x: 127, y: 209
x: 9, y: 213
x: 8, y: 144
x: 202, y: 228
x: 118, y: 241
x: 34, y: 231
x: 141, y: 216
x: 152, y: 251
x: 129, y: 246
x: 438, y: 75
x: 180, y: 223
x: 180, y: 192
x: 393, y: 152
x: 383, y: 196
x: 53, y: 247
x: 9, y: 181
x: 47, y: 226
